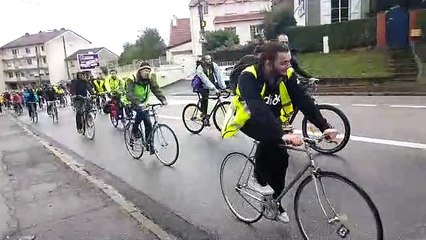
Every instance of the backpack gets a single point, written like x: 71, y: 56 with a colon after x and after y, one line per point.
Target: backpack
x: 196, y: 83
x: 242, y: 64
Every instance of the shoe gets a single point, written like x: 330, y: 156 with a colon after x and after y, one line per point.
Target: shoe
x: 137, y: 135
x: 206, y: 122
x: 80, y: 131
x: 151, y: 149
x: 254, y: 185
x: 283, y: 217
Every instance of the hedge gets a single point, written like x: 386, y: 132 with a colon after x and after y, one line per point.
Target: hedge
x: 343, y: 35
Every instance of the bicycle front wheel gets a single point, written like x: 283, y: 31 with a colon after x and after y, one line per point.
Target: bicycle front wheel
x: 134, y: 145
x: 219, y: 114
x: 166, y: 144
x: 330, y: 206
x: 90, y: 126
x: 338, y: 120
x: 55, y: 114
x: 192, y: 119
x: 243, y: 202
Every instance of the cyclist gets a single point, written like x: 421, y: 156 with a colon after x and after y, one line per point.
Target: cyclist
x: 30, y: 99
x: 60, y: 92
x: 6, y: 99
x: 115, y: 89
x: 80, y: 87
x: 16, y: 102
x: 266, y: 93
x: 212, y: 80
x: 39, y: 92
x: 138, y: 93
x: 99, y: 87
x: 1, y: 103
x: 50, y: 96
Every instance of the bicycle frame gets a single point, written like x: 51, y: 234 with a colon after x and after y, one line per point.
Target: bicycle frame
x: 218, y: 101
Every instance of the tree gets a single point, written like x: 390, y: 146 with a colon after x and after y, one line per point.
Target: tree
x: 277, y: 21
x: 148, y: 45
x: 221, y: 38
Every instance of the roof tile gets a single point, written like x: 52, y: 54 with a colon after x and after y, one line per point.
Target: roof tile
x: 181, y: 33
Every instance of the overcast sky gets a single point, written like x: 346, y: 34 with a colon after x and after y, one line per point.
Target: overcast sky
x: 106, y: 23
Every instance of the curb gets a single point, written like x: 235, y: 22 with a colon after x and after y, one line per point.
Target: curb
x: 109, y: 190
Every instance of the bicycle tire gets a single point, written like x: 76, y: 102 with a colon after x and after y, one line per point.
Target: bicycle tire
x: 222, y: 106
x: 114, y: 120
x: 127, y: 134
x: 187, y: 108
x: 248, y: 220
x: 176, y: 156
x: 87, y: 126
x: 55, y: 114
x: 359, y: 190
x: 345, y: 121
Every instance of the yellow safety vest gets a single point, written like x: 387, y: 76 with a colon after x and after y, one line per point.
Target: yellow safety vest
x: 238, y: 113
x: 99, y: 85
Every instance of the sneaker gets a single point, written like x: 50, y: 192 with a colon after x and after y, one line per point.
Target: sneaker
x: 254, y: 185
x: 283, y: 217
x: 206, y: 122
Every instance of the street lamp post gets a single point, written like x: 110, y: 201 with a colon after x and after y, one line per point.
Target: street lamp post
x: 202, y: 25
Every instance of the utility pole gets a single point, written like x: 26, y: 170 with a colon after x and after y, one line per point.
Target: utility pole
x: 38, y: 65
x: 202, y: 26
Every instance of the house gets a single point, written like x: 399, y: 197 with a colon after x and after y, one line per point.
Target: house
x: 244, y: 17
x: 318, y: 12
x: 179, y: 50
x: 107, y: 60
x: 38, y: 58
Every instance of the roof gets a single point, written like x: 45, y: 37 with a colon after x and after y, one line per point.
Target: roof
x: 194, y: 3
x: 86, y: 51
x: 238, y: 18
x: 181, y: 33
x: 39, y: 38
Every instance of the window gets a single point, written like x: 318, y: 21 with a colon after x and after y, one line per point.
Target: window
x: 8, y: 64
x: 42, y: 48
x: 17, y: 74
x: 27, y: 50
x: 31, y: 74
x: 15, y: 51
x: 29, y: 61
x: 44, y: 60
x: 231, y: 29
x: 206, y: 9
x: 47, y: 73
x: 10, y: 75
x: 255, y: 31
x: 72, y: 64
x: 339, y: 10
x: 22, y: 74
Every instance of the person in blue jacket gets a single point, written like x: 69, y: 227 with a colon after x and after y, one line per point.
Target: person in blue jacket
x: 30, y: 99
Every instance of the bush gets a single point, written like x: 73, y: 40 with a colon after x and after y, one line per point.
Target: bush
x: 343, y: 35
x: 221, y: 38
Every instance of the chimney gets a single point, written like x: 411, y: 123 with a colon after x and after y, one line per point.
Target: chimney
x: 55, y: 30
x: 40, y: 32
x: 27, y: 34
x: 174, y: 21
x: 62, y: 29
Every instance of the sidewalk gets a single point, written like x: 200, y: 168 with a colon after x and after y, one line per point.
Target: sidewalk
x: 40, y: 198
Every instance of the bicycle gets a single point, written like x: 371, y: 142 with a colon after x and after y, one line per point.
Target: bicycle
x: 87, y: 117
x: 137, y: 146
x: 114, y: 112
x: 33, y: 111
x: 310, y: 131
x: 52, y: 110
x: 192, y: 113
x: 265, y: 206
x: 18, y: 109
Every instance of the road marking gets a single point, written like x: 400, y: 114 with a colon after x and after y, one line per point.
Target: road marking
x: 169, y: 117
x: 109, y: 190
x: 332, y: 104
x: 364, y: 105
x: 389, y: 142
x: 406, y: 106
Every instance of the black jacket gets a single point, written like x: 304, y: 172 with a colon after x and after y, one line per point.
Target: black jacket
x: 263, y: 124
x: 81, y: 87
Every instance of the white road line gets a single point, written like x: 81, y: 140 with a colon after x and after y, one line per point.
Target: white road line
x: 332, y: 104
x: 169, y: 117
x: 364, y: 105
x: 406, y: 106
x: 389, y: 142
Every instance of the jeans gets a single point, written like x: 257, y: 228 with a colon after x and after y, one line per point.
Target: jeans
x: 142, y: 115
x: 29, y: 107
x: 79, y: 111
x: 204, y: 101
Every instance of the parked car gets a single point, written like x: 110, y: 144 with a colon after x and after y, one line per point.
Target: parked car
x: 226, y: 72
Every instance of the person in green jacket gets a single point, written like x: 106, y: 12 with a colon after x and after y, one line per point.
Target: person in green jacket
x: 138, y: 93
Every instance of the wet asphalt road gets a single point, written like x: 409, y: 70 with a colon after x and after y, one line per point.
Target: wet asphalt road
x: 392, y: 172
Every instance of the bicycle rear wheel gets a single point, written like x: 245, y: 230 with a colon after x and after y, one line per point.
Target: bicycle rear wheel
x: 219, y: 114
x: 163, y: 137
x: 338, y: 120
x: 343, y: 209
x: 235, y: 171
x: 54, y: 114
x: 191, y: 116
x: 134, y: 145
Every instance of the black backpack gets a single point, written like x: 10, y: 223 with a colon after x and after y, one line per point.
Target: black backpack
x: 242, y: 64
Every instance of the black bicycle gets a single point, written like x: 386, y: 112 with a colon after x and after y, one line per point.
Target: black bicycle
x: 87, y: 116
x: 161, y: 138
x: 52, y: 110
x: 329, y: 112
x: 32, y: 106
x: 343, y: 210
x: 192, y: 115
